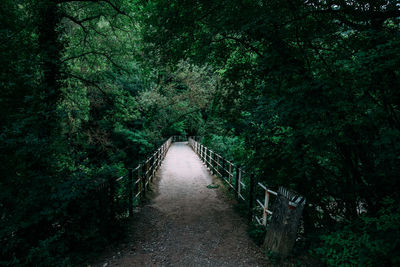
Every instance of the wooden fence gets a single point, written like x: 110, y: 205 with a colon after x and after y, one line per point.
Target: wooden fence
x: 241, y: 182
x: 258, y: 196
x: 124, y: 191
x: 281, y: 214
x: 279, y: 210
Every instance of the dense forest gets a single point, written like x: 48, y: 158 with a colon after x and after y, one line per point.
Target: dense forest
x: 304, y: 93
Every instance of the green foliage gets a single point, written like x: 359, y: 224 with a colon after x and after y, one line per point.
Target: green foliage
x: 257, y: 233
x: 273, y: 257
x: 369, y: 241
x: 307, y: 95
x: 212, y: 186
x: 70, y: 76
x: 304, y: 93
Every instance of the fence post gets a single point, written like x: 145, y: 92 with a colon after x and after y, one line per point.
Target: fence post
x: 211, y: 162
x: 111, y: 183
x: 251, y: 197
x: 144, y: 182
x: 136, y: 185
x: 237, y: 181
x: 208, y: 154
x: 285, y: 221
x: 153, y: 164
x: 157, y: 159
x: 218, y: 170
x: 223, y: 168
x: 205, y: 155
x: 147, y: 171
x: 130, y: 192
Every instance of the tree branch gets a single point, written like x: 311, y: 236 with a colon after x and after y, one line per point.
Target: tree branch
x: 112, y: 5
x: 183, y: 115
x: 99, y: 54
x: 77, y: 22
x: 242, y: 42
x: 91, y: 83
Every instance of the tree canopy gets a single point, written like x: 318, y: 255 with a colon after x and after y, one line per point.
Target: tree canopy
x: 304, y: 93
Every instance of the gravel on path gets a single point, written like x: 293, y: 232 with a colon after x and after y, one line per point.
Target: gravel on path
x: 185, y: 223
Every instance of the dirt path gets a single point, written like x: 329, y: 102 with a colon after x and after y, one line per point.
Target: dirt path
x: 185, y: 223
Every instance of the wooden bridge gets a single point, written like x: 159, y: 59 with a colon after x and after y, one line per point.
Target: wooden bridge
x: 190, y: 220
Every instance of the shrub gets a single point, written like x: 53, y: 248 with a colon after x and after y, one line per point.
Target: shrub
x: 369, y: 241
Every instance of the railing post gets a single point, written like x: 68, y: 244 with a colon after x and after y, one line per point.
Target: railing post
x: 147, y: 171
x: 130, y: 192
x: 140, y: 184
x: 211, y: 162
x: 265, y: 211
x: 251, y: 197
x: 111, y: 183
x: 217, y: 165
x: 223, y: 168
x: 144, y: 182
x: 159, y: 158
x: 153, y: 167
x: 208, y: 154
x: 136, y: 186
x: 237, y: 184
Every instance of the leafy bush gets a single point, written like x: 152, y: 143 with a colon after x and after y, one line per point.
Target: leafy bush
x: 370, y: 241
x: 257, y: 233
x: 230, y: 147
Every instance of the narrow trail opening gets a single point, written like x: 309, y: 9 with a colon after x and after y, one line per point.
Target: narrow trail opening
x: 186, y: 223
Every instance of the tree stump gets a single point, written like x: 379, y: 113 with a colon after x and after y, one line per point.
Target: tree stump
x: 282, y: 231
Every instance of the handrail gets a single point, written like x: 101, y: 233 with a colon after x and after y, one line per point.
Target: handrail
x: 239, y: 180
x: 138, y: 178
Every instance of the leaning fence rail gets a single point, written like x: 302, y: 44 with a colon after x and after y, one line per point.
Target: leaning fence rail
x: 258, y: 195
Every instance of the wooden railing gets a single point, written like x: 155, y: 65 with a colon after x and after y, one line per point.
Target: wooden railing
x: 124, y: 191
x: 258, y: 196
x: 283, y: 219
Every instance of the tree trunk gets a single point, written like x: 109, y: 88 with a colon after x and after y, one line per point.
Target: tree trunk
x: 50, y: 63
